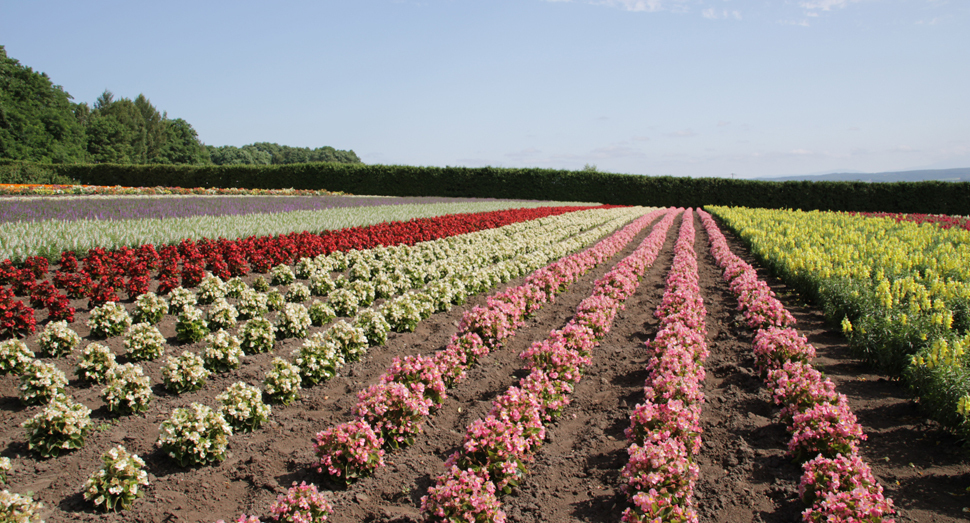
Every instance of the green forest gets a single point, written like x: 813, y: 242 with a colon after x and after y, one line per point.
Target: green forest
x: 41, y: 123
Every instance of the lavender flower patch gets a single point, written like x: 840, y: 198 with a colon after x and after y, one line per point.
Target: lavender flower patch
x: 35, y: 209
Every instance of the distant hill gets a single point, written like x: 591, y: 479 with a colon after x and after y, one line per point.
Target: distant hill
x: 944, y: 175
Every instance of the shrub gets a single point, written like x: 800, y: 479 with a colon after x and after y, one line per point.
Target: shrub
x: 243, y: 407
x: 185, y: 373
x: 40, y: 382
x: 109, y: 319
x: 58, y: 339
x: 282, y: 383
x: 61, y: 426
x: 321, y: 284
x: 95, y: 363
x: 144, y: 342
x: 396, y: 410
x: 222, y: 352
x: 128, y: 390
x: 258, y: 335
x: 149, y: 308
x: 14, y: 357
x: 196, y: 435
x: 119, y: 482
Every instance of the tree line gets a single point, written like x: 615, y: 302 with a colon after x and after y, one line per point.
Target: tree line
x: 40, y: 122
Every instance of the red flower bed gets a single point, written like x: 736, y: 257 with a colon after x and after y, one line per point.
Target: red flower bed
x: 102, y: 274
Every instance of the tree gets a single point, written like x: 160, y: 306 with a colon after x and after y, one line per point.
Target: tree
x: 182, y: 145
x: 37, y: 121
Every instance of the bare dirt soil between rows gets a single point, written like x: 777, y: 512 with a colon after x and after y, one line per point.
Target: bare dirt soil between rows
x: 745, y: 475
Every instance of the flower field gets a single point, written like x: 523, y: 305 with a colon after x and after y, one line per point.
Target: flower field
x: 507, y: 363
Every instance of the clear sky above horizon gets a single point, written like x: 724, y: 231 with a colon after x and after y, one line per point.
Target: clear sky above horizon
x: 678, y: 87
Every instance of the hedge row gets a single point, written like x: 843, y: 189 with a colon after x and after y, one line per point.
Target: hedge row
x: 537, y: 184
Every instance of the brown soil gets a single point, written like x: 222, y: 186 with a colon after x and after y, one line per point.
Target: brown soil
x: 745, y: 475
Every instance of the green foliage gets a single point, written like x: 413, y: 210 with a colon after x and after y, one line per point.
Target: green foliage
x: 37, y: 121
x: 541, y: 184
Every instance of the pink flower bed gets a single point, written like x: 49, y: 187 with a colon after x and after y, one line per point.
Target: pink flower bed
x: 836, y: 484
x: 498, y: 448
x: 664, y: 430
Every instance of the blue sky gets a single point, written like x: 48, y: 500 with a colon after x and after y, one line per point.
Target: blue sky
x: 678, y: 87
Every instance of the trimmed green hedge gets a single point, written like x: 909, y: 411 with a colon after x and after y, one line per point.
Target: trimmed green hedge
x: 537, y: 184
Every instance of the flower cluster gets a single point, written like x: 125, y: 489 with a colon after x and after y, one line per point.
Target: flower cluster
x: 301, y: 504
x: 282, y: 382
x: 119, y: 482
x: 149, y: 308
x: 18, y: 508
x: 128, y: 390
x: 5, y: 469
x: 191, y: 325
x: 297, y: 293
x: 293, y: 321
x: 40, y: 382
x: 221, y: 315
x: 394, y: 410
x: 143, y: 341
x: 14, y: 357
x: 222, y: 353
x: 374, y: 326
x: 251, y: 304
x: 185, y: 373
x: 282, y: 275
x: 349, y: 451
x: 318, y: 359
x: 462, y: 495
x: 196, y: 435
x: 109, y: 319
x: 243, y: 407
x: 211, y: 288
x: 58, y: 339
x: 180, y: 299
x: 350, y: 339
x: 258, y: 335
x: 321, y: 313
x: 61, y: 426
x: 95, y: 362
x: 825, y: 434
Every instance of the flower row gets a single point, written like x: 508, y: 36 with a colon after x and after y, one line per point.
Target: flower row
x: 900, y: 289
x: 665, y: 430
x: 390, y: 414
x: 102, y: 274
x: 836, y: 484
x: 425, y: 378
x: 496, y: 449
